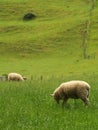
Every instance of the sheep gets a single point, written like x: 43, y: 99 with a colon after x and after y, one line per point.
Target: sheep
x: 15, y: 77
x: 72, y: 89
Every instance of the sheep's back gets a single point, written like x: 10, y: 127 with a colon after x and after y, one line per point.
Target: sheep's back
x: 74, y: 89
x: 12, y: 76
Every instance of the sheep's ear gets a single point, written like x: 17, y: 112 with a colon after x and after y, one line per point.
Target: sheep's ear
x: 52, y: 95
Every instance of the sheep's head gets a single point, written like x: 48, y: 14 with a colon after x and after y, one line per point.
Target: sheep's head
x: 24, y: 78
x: 56, y: 97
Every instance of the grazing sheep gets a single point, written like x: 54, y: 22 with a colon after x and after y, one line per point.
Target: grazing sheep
x: 72, y: 89
x: 15, y: 77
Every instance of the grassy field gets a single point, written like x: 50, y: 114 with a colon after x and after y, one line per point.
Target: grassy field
x: 29, y: 106
x: 48, y: 51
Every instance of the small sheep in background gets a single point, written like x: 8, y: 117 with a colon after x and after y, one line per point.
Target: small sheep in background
x: 15, y: 77
x: 72, y: 89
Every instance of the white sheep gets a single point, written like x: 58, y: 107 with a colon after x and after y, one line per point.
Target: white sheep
x: 15, y: 77
x: 72, y: 89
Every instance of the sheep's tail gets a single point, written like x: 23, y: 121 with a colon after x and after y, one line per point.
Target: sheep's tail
x: 52, y: 94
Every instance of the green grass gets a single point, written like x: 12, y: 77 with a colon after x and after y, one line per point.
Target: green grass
x: 48, y: 51
x: 29, y: 106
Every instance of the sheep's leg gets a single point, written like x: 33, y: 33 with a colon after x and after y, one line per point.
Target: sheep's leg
x: 84, y: 97
x: 86, y: 101
x: 58, y: 101
x: 64, y: 101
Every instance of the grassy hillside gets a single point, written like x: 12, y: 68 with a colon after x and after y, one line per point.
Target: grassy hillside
x: 50, y: 44
x: 57, y: 27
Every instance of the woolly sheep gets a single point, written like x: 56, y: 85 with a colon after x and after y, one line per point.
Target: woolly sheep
x: 15, y: 77
x: 72, y: 89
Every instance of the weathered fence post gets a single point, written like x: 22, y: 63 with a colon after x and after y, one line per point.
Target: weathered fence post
x: 86, y: 30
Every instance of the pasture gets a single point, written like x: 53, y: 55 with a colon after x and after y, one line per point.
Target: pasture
x: 29, y: 106
x: 48, y: 50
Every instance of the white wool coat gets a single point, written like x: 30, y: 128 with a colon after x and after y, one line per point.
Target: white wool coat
x: 15, y: 77
x: 73, y: 89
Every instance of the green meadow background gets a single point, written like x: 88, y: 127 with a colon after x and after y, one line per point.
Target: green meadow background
x: 58, y: 46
